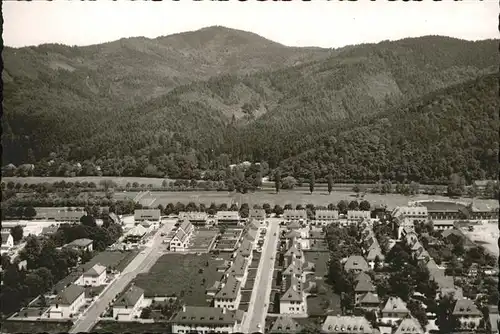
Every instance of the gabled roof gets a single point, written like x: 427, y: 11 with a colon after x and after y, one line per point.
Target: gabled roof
x: 251, y: 235
x: 364, y: 285
x: 5, y: 237
x: 293, y: 234
x: 395, y: 305
x: 293, y: 225
x: 186, y: 227
x: 238, y: 267
x: 294, y: 268
x: 409, y: 325
x: 370, y: 298
x: 245, y: 248
x: 362, y: 276
x: 252, y: 226
x: 69, y: 295
x: 181, y: 235
x: 84, y: 242
x: 293, y: 250
x: 203, y: 316
x: 130, y: 297
x: 257, y: 213
x: 285, y: 325
x: 356, y: 262
x: 214, y: 287
x: 95, y: 271
x: 373, y: 253
x: 466, y: 307
x: 138, y: 231
x: 293, y: 294
x: 346, y: 324
x: 230, y: 289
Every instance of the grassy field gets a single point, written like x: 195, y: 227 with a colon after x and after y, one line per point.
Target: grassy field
x: 186, y: 276
x: 120, y: 181
x: 293, y: 197
x: 325, y: 302
x: 19, y: 326
x: 130, y: 327
x: 320, y: 260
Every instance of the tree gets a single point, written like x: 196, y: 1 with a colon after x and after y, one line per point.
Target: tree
x: 107, y: 184
x: 164, y: 184
x: 418, y: 312
x: 277, y: 181
x: 278, y: 210
x: 312, y: 181
x: 330, y: 183
x: 356, y: 188
x: 88, y: 220
x: 364, y: 205
x: 342, y: 206
x: 146, y: 313
x: 353, y: 205
x: 445, y: 319
x: 288, y: 182
x: 30, y: 212
x: 17, y: 233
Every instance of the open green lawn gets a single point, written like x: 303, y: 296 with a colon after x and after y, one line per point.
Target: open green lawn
x: 325, y: 302
x: 293, y: 197
x: 130, y: 327
x: 320, y: 260
x: 19, y: 326
x: 180, y: 275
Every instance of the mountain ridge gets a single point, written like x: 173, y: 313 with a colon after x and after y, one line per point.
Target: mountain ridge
x: 260, y: 110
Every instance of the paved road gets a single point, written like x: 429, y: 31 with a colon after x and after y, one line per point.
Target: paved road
x: 257, y: 309
x: 141, y: 263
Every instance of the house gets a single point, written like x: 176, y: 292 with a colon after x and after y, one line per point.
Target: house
x: 479, y: 211
x: 409, y: 325
x: 494, y: 320
x: 228, y: 217
x: 467, y: 313
x: 394, y: 310
x: 238, y: 268
x: 83, y: 244
x: 7, y: 240
x: 285, y: 325
x: 201, y: 319
x: 153, y: 215
x: 95, y: 276
x: 445, y: 210
x: 258, y: 214
x: 292, y: 301
x: 369, y: 302
x: 346, y: 325
x: 135, y: 234
x: 414, y: 214
x: 361, y: 288
x: 187, y: 228
x: 442, y: 225
x: 229, y: 295
x: 251, y: 235
x: 293, y: 225
x: 73, y: 216
x: 300, y: 215
x: 50, y: 230
x: 245, y: 249
x: 195, y: 218
x: 293, y: 234
x: 374, y: 254
x: 357, y: 215
x: 67, y: 303
x: 325, y: 217
x: 356, y: 264
x: 127, y: 306
x: 179, y: 242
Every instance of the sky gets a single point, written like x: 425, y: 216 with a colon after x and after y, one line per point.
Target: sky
x: 316, y: 23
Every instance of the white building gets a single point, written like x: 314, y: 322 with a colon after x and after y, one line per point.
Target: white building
x: 409, y: 325
x: 300, y: 215
x: 357, y: 215
x: 258, y: 214
x: 7, y: 240
x: 394, y: 310
x: 153, y: 215
x: 95, y: 276
x: 467, y: 314
x: 196, y: 319
x: 228, y: 217
x: 346, y: 325
x: 195, y: 218
x: 67, y: 303
x: 179, y: 242
x: 414, y: 213
x: 292, y: 301
x: 83, y: 244
x: 127, y: 306
x: 325, y: 217
x: 229, y: 296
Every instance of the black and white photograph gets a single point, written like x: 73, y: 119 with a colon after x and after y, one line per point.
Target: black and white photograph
x: 250, y: 167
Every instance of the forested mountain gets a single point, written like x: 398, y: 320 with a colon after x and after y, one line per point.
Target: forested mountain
x: 269, y: 115
x: 454, y: 130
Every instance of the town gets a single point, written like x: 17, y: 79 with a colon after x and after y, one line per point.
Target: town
x: 350, y: 267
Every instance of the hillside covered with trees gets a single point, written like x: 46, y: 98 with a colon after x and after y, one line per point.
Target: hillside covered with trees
x: 83, y: 119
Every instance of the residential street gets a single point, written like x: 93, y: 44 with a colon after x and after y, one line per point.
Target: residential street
x: 144, y: 260
x: 257, y: 309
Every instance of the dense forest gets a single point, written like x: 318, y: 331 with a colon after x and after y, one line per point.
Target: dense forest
x: 363, y: 112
